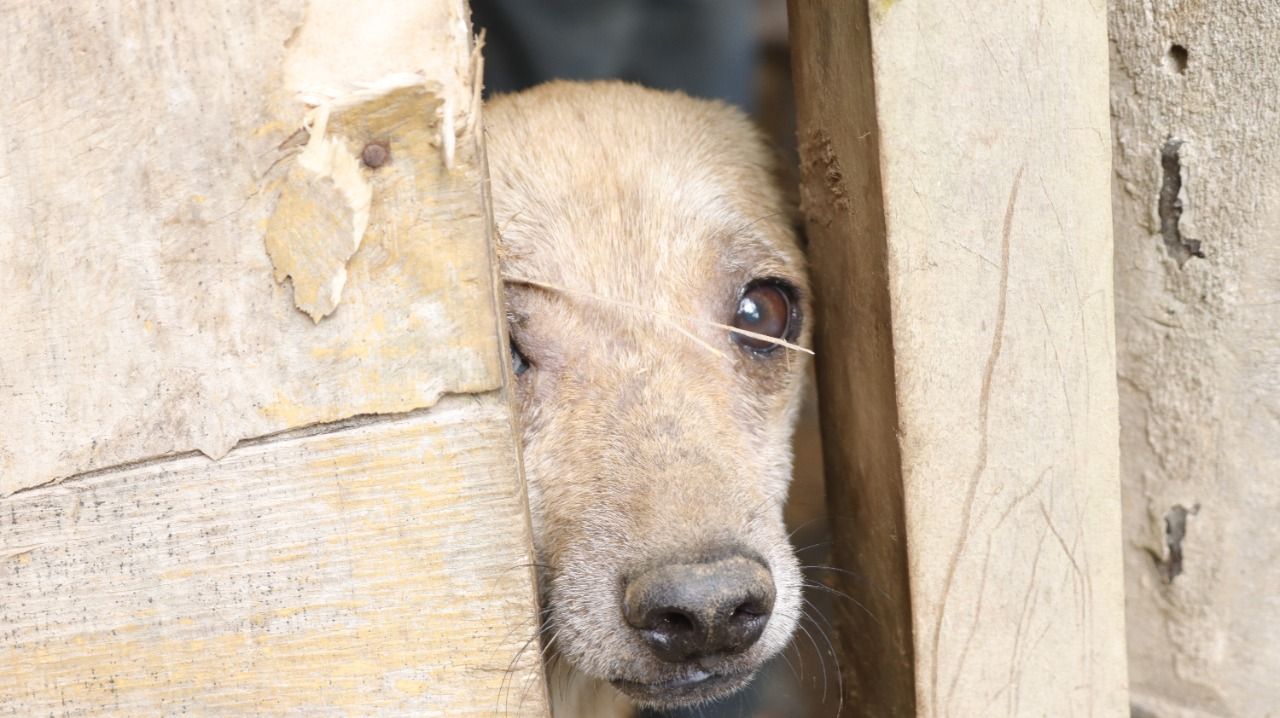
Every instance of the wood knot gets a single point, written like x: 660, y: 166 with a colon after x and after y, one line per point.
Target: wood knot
x: 375, y: 155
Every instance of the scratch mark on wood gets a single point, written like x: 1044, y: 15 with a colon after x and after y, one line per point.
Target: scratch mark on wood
x: 984, y: 402
x: 1061, y: 542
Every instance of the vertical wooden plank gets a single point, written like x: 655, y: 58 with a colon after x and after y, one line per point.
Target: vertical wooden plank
x: 1196, y: 199
x: 842, y: 196
x: 955, y: 163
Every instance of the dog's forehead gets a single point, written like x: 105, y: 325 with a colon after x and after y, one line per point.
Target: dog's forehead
x: 659, y: 188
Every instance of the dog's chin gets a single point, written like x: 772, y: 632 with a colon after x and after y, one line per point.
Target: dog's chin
x: 693, y: 687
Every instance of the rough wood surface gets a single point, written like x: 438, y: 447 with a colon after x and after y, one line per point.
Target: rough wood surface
x: 152, y: 167
x: 1196, y: 108
x: 854, y: 362
x: 956, y: 191
x: 364, y: 571
x: 141, y: 161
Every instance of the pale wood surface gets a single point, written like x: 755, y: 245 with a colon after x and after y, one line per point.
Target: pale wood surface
x: 956, y: 164
x: 152, y: 189
x: 360, y: 572
x: 140, y: 165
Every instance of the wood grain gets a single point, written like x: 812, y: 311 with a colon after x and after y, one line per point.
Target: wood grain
x: 365, y: 571
x: 856, y: 389
x: 210, y: 502
x: 956, y: 179
x: 145, y: 148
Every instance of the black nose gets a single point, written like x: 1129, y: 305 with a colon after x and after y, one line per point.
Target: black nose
x: 688, y: 611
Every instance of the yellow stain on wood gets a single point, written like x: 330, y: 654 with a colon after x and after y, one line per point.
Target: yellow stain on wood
x: 319, y: 220
x: 350, y: 593
x: 288, y: 412
x: 275, y: 127
x: 414, y: 687
x: 881, y: 8
x: 328, y: 197
x: 418, y: 313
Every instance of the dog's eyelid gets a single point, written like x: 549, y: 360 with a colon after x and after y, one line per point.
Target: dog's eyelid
x: 782, y: 280
x: 520, y: 363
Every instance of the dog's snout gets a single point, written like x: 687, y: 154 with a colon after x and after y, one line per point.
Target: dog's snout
x: 690, y: 611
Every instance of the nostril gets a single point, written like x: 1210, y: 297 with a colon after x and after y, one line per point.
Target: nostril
x: 745, y: 624
x: 673, y: 635
x: 673, y: 622
x: 750, y: 609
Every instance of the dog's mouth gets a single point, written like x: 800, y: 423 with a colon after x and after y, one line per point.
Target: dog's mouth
x: 694, y: 686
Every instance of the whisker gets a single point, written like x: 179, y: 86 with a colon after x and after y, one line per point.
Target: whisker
x: 542, y: 655
x: 655, y: 313
x: 783, y: 655
x: 835, y: 658
x: 842, y: 594
x: 805, y: 525
x: 504, y: 685
x: 865, y: 581
x: 816, y: 612
x: 811, y: 547
x: 821, y: 662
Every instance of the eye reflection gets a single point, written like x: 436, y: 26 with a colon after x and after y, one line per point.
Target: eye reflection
x: 766, y: 307
x: 519, y: 364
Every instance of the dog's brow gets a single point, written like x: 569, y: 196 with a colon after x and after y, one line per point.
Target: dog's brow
x: 752, y: 253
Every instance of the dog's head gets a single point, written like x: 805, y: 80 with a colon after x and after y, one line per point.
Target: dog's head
x: 634, y: 226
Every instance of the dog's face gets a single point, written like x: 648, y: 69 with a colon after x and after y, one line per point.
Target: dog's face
x: 656, y: 444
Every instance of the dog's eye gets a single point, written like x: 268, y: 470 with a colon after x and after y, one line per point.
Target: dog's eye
x: 766, y: 307
x: 519, y: 364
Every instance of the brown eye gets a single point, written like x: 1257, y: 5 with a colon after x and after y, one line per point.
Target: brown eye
x: 766, y: 307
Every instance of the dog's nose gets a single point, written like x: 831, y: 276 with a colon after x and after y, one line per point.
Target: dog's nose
x: 689, y: 611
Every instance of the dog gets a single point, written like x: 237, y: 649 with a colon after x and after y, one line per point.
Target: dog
x: 657, y: 302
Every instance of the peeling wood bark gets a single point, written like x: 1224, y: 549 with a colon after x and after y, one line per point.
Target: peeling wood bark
x: 955, y: 189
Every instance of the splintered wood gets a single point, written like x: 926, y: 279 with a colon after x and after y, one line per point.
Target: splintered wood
x: 147, y: 148
x: 256, y: 454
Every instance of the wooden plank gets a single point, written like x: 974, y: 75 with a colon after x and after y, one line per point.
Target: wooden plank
x: 366, y: 571
x: 956, y: 179
x: 146, y: 145
x: 1196, y: 199
x: 199, y: 252
x: 857, y: 401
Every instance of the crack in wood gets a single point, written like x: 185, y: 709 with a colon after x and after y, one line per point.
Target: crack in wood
x: 984, y: 401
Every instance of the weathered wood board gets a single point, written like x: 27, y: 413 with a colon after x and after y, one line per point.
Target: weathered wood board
x: 363, y: 571
x: 956, y: 189
x: 226, y: 486
x: 141, y: 161
x: 1195, y: 103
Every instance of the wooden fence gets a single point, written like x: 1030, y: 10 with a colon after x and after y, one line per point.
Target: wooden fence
x: 226, y: 493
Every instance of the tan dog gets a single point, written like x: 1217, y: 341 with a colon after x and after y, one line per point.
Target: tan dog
x: 656, y: 444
